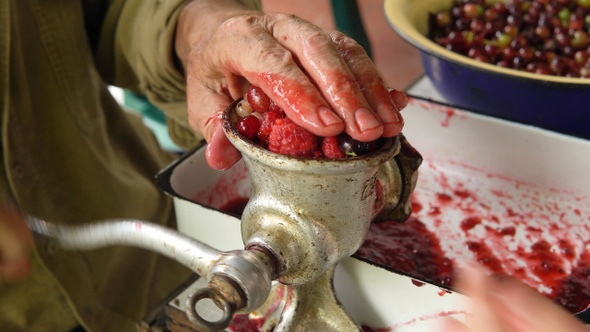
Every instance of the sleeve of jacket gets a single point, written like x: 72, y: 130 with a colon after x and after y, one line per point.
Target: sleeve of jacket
x: 136, y: 52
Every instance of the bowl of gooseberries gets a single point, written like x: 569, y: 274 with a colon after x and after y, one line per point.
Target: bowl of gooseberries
x: 526, y: 61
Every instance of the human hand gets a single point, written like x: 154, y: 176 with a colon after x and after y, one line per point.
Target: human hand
x: 324, y: 81
x: 506, y: 304
x: 15, y: 242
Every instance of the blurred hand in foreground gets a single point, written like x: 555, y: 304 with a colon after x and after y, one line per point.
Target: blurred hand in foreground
x: 15, y: 243
x: 324, y: 81
x: 504, y: 304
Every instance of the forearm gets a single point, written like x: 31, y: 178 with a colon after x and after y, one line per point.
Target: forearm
x: 200, y: 18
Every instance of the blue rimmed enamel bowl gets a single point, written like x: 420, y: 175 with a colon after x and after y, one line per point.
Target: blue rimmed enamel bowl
x: 560, y: 104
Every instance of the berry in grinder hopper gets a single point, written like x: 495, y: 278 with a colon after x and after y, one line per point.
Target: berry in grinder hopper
x: 273, y: 106
x: 248, y: 126
x: 267, y: 121
x: 243, y: 108
x: 258, y: 100
x: 353, y: 148
x: 331, y: 149
x: 264, y: 123
x: 289, y: 139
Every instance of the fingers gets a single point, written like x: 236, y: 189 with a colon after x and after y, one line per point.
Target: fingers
x: 279, y: 71
x: 302, y: 69
x: 505, y: 304
x: 220, y: 153
x: 326, y: 84
x: 522, y: 309
x: 15, y: 240
x: 317, y: 54
x: 345, y: 77
x: 214, y: 79
x: 330, y: 73
x: 205, y: 105
x: 474, y: 282
x: 450, y: 324
x: 373, y: 87
x: 399, y: 99
x: 256, y: 55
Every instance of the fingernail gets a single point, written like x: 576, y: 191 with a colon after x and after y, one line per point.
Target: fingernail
x: 365, y: 119
x: 328, y: 117
x: 399, y: 98
x: 388, y: 113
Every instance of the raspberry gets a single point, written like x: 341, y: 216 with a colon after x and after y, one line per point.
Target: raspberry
x: 331, y: 148
x: 318, y: 154
x: 248, y: 126
x: 289, y: 139
x: 267, y: 120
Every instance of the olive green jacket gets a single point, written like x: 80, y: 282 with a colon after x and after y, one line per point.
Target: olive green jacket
x: 71, y: 155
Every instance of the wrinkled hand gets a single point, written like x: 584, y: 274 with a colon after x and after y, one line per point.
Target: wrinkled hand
x: 506, y: 304
x: 15, y: 242
x: 324, y: 81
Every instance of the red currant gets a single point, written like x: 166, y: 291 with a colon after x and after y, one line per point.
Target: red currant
x: 258, y: 100
x: 248, y: 126
x: 274, y: 107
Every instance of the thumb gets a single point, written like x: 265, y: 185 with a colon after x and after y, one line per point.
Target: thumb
x: 221, y: 154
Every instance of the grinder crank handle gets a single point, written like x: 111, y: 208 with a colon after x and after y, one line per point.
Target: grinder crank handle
x: 239, y: 281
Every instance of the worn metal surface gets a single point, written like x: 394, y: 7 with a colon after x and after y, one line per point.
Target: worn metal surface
x: 399, y: 177
x: 239, y: 281
x: 311, y: 213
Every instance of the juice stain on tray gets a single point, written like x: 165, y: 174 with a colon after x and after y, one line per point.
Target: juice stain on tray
x: 538, y: 235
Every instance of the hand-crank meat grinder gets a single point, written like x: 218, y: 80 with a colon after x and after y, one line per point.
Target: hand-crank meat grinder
x: 303, y: 217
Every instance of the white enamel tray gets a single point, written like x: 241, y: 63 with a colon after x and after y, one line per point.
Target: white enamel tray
x: 523, y: 184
